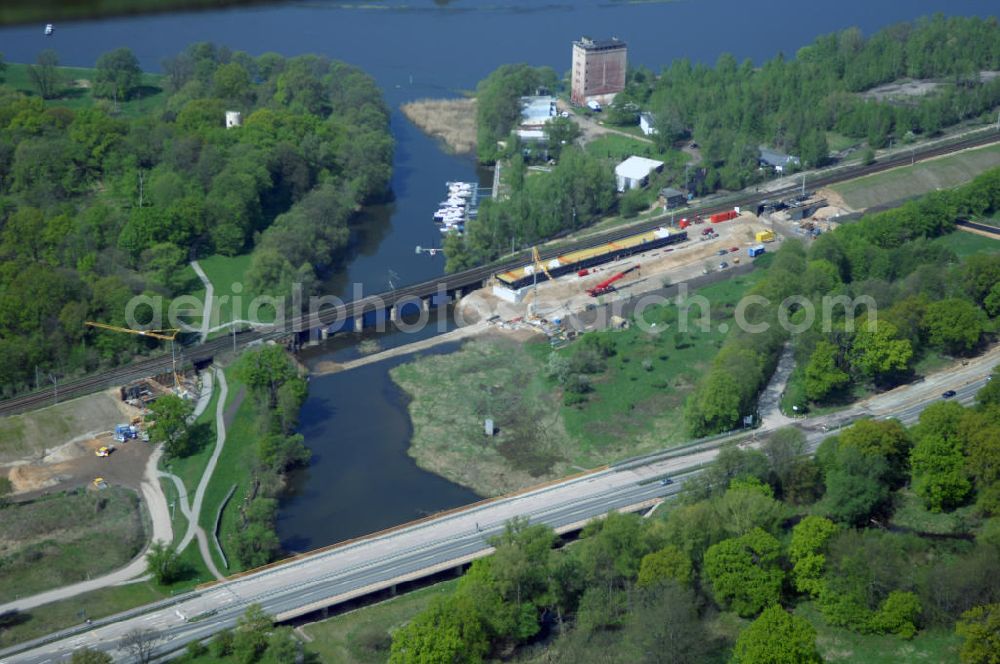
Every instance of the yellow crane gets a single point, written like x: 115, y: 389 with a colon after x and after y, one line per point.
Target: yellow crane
x: 539, y: 263
x: 169, y: 334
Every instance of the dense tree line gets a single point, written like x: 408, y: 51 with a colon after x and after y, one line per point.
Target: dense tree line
x: 925, y: 300
x: 903, y: 296
x: 755, y: 534
x: 728, y: 391
x: 578, y: 191
x: 96, y: 207
x: 790, y: 103
x: 278, y: 392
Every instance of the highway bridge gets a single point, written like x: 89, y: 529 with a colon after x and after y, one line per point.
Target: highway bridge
x: 372, y: 564
x: 436, y: 292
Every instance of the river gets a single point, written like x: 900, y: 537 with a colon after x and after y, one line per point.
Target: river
x: 361, y: 479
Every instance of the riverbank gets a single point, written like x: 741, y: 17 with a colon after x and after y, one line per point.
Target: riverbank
x: 453, y: 121
x: 614, y: 394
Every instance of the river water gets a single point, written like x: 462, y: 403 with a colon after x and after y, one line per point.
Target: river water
x: 356, y: 423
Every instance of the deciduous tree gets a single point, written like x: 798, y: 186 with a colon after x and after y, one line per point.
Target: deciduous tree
x: 823, y: 376
x: 980, y: 627
x: 877, y: 352
x: 953, y: 325
x: 777, y: 637
x: 163, y: 562
x: 667, y: 564
x: 806, y: 552
x: 118, y: 74
x: 44, y: 74
x: 170, y: 424
x: 744, y: 572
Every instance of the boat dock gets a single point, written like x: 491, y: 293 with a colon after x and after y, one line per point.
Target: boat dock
x: 461, y: 204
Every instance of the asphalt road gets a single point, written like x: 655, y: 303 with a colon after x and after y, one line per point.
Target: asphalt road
x: 439, y: 543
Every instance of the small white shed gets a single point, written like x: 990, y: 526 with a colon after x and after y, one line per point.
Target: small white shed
x: 634, y: 172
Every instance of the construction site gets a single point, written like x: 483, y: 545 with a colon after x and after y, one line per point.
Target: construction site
x: 94, y: 441
x: 544, y: 295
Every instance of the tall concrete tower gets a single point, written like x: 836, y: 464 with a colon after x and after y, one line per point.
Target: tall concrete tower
x: 598, y: 69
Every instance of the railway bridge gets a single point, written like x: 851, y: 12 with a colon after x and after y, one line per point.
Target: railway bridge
x: 365, y: 312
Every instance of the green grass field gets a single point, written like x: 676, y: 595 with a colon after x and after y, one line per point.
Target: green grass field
x: 63, y: 538
x: 617, y: 147
x: 637, y: 404
x: 910, y: 513
x: 233, y: 468
x: 68, y: 613
x: 228, y: 277
x: 910, y: 181
x: 841, y: 645
x: 75, y: 91
x: 362, y: 636
x: 966, y: 244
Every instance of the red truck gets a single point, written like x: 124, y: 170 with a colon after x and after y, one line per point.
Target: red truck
x: 723, y: 216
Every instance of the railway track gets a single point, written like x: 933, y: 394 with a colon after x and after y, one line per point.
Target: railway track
x: 196, y: 353
x: 985, y: 228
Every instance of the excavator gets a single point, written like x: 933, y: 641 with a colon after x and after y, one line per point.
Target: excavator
x: 607, y: 285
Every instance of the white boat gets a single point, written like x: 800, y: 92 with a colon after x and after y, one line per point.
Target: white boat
x: 49, y: 29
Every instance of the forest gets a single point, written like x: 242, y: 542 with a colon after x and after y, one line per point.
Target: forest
x: 790, y: 104
x: 754, y: 554
x: 97, y: 206
x: 924, y: 300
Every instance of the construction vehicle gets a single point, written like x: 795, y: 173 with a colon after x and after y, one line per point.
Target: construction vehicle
x: 103, y: 451
x: 100, y: 483
x: 169, y: 334
x: 765, y: 236
x: 125, y: 432
x: 607, y: 285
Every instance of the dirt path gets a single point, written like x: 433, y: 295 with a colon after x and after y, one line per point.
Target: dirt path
x: 192, y: 511
x: 206, y: 313
x: 156, y: 503
x: 327, y: 367
x: 592, y: 129
x: 199, y: 496
x: 769, y: 404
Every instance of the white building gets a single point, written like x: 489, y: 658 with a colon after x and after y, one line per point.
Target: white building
x: 536, y: 111
x: 646, y: 122
x: 634, y: 172
x: 233, y: 119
